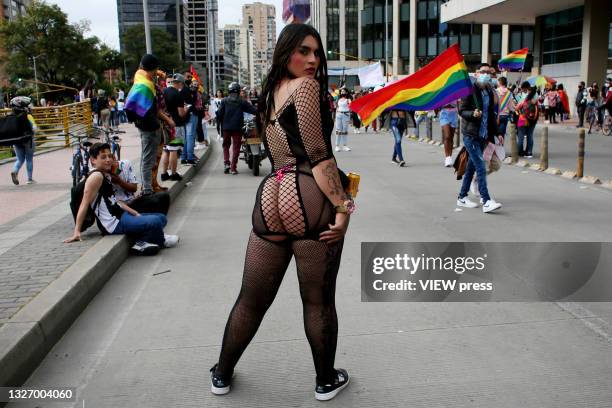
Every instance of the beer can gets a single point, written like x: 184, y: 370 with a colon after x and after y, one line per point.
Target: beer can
x: 353, y: 187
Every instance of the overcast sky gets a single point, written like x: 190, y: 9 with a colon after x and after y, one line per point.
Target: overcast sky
x: 104, y: 22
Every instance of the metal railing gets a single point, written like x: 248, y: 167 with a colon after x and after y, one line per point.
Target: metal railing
x: 58, y: 125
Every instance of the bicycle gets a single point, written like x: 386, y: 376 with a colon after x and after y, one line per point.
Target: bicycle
x: 80, y: 160
x: 110, y: 137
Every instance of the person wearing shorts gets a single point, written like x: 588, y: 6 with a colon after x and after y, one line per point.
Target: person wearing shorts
x: 448, y: 123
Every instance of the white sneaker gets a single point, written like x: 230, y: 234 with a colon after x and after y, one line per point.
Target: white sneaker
x: 337, y: 148
x: 481, y: 201
x: 30, y: 182
x: 491, y: 206
x: 145, y: 248
x: 170, y: 241
x: 448, y: 162
x: 465, y: 202
x: 346, y: 149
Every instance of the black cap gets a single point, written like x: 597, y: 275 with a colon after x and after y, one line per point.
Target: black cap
x: 149, y: 62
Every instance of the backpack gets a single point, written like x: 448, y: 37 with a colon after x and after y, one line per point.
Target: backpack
x: 76, y: 197
x: 15, y: 129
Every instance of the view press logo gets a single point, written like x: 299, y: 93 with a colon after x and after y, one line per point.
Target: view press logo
x: 468, y: 271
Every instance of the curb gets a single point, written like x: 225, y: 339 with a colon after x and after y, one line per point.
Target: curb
x: 30, y: 334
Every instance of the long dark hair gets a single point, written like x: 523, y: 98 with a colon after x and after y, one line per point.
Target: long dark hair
x: 289, y: 39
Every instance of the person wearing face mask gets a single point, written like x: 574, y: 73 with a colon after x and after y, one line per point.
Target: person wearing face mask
x: 580, y: 101
x: 479, y: 126
x: 528, y: 117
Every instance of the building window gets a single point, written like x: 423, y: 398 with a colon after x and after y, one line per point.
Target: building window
x: 333, y: 29
x: 495, y: 41
x: 352, y: 27
x: 562, y: 36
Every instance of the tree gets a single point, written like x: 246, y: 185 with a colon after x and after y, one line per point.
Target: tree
x: 65, y: 56
x: 164, y: 47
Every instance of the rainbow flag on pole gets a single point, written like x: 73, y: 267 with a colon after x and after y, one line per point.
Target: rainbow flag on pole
x: 443, y: 80
x: 515, y: 61
x: 141, y: 95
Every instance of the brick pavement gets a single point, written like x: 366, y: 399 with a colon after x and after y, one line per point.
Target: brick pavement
x: 30, y: 266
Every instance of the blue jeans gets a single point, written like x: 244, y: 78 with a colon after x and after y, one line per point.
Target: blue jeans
x: 146, y: 227
x: 190, y: 135
x: 520, y: 135
x: 397, y: 135
x: 476, y: 165
x: 503, y: 124
x: 418, y: 120
x: 25, y: 154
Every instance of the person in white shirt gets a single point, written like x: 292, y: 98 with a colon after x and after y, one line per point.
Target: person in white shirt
x: 343, y: 116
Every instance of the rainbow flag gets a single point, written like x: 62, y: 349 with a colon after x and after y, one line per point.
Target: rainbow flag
x: 142, y: 94
x: 195, y: 76
x: 443, y: 80
x: 515, y: 61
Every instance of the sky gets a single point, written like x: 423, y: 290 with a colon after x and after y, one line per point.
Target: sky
x: 104, y: 23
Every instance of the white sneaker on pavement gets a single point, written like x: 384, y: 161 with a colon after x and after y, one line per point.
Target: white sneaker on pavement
x: 465, y: 202
x: 145, y: 248
x: 170, y: 241
x: 346, y: 149
x: 337, y: 148
x: 448, y: 162
x: 490, y: 206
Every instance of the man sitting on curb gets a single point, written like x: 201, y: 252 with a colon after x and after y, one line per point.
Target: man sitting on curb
x: 125, y: 186
x: 115, y: 217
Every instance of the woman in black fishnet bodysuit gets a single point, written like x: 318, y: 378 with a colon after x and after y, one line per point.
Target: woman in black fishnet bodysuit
x: 301, y: 210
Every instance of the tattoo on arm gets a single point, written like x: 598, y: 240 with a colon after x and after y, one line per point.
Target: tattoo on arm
x: 333, y: 180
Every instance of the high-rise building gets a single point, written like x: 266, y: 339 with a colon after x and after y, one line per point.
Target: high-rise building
x: 164, y: 14
x: 229, y: 58
x: 260, y: 20
x: 230, y: 39
x: 354, y: 31
x: 12, y: 9
x: 201, y: 48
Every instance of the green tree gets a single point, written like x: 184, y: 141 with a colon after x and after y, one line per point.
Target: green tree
x: 66, y: 56
x: 164, y: 48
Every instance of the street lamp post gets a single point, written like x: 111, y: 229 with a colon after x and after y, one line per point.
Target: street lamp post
x: 36, y: 75
x: 145, y: 10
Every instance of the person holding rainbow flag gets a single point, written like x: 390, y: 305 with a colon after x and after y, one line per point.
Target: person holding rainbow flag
x: 141, y: 108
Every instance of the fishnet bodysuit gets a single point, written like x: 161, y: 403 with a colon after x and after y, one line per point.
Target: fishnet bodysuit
x: 289, y: 203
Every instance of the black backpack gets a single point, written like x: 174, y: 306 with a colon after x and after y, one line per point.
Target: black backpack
x: 15, y: 129
x: 76, y: 196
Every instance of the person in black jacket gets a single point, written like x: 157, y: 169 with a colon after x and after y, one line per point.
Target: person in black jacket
x: 479, y: 126
x: 230, y: 114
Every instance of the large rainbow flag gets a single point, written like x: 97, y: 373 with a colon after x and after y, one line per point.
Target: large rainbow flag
x: 141, y: 95
x: 515, y: 61
x: 443, y: 80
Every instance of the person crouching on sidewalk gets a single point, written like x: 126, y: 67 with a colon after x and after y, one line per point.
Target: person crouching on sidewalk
x: 480, y: 123
x: 115, y: 217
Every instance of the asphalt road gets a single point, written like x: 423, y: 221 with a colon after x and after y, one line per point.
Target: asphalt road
x: 148, y: 340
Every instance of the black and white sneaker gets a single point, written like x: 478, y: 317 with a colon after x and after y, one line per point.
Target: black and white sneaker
x: 145, y: 248
x: 219, y: 385
x: 328, y: 391
x: 226, y: 168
